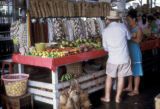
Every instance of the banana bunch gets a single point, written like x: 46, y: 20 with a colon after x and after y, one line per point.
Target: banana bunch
x: 66, y: 77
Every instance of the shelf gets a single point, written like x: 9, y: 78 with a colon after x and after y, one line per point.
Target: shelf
x: 43, y: 91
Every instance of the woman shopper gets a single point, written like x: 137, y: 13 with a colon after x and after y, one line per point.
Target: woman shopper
x: 135, y: 54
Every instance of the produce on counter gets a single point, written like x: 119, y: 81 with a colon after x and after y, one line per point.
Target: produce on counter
x: 95, y: 43
x: 65, y: 48
x: 55, y: 53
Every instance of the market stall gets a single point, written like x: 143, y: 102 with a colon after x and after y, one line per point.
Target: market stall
x: 49, y: 92
x: 72, y: 32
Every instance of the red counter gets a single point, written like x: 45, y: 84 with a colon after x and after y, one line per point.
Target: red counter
x: 53, y: 63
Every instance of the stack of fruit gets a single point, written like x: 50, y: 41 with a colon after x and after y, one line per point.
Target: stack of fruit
x: 65, y: 48
x: 93, y: 43
x: 66, y: 77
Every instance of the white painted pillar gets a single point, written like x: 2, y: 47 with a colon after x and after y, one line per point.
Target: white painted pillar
x: 20, y: 68
x: 55, y: 89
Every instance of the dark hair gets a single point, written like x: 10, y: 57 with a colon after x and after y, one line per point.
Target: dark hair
x: 133, y: 14
x: 144, y: 19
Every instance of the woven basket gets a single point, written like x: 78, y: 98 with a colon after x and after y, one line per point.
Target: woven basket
x: 74, y: 69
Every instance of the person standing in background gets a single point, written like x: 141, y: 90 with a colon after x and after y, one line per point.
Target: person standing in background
x: 114, y: 39
x: 157, y: 17
x: 152, y: 24
x: 135, y: 53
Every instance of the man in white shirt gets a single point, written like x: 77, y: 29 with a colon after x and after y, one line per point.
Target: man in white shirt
x: 115, y: 38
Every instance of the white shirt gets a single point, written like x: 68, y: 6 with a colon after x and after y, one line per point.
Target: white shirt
x: 115, y: 38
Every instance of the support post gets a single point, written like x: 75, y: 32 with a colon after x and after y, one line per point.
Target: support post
x: 55, y: 89
x: 20, y: 68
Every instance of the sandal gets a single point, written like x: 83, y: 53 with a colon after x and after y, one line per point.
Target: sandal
x: 105, y: 100
x: 133, y: 93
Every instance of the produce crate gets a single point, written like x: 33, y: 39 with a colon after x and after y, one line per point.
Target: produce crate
x: 75, y: 69
x: 23, y: 102
x: 157, y: 102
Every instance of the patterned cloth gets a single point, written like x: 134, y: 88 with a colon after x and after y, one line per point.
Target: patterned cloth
x: 19, y: 33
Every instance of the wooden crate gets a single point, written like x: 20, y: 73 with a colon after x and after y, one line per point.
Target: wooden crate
x: 75, y: 69
x: 23, y: 102
x: 43, y: 92
x: 157, y: 102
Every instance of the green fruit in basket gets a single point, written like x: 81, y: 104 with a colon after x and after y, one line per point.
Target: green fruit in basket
x: 70, y: 76
x: 63, y: 78
x: 66, y: 77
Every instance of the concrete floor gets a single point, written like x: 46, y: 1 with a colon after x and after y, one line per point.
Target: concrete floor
x: 143, y: 101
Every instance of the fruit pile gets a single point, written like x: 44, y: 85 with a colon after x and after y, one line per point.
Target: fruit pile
x: 66, y: 77
x: 65, y: 48
x: 94, y: 43
x: 16, y: 88
x: 54, y: 53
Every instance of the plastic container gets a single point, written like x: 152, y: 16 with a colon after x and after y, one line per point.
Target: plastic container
x: 40, y: 46
x: 15, y: 84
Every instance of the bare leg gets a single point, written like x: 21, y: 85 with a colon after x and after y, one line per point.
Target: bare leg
x: 136, y: 83
x: 136, y: 86
x: 119, y: 88
x: 108, y: 86
x: 129, y: 87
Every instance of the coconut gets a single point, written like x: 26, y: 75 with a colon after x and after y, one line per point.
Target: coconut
x: 63, y: 98
x: 75, y: 97
x: 70, y: 104
x: 86, y: 104
x: 83, y: 96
